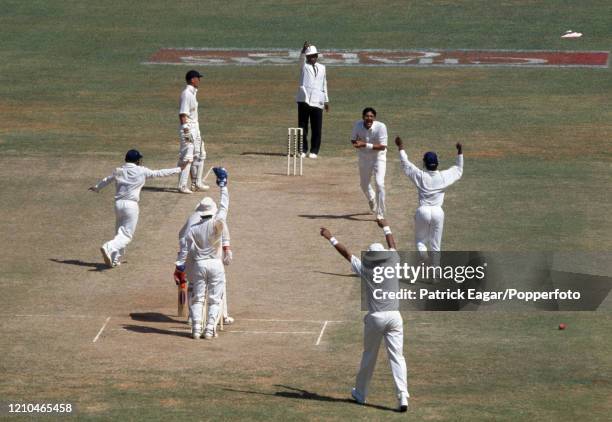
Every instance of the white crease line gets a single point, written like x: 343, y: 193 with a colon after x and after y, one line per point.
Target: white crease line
x: 101, y: 329
x: 321, y: 333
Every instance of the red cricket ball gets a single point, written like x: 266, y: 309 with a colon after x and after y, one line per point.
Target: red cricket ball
x: 562, y: 326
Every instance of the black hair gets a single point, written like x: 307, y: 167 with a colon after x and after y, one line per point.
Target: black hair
x: 367, y: 110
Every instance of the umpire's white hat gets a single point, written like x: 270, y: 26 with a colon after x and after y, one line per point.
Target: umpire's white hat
x: 311, y: 50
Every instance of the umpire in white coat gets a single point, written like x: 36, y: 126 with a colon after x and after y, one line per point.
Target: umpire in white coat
x: 311, y: 98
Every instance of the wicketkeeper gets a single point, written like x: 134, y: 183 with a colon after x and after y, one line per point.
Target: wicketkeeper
x: 200, y: 259
x: 180, y: 277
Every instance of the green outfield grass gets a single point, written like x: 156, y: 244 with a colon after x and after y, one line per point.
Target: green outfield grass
x: 74, y: 96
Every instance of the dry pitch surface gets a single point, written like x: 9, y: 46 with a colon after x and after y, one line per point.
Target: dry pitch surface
x: 109, y: 341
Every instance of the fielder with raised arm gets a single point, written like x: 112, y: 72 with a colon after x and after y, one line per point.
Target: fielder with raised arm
x: 382, y: 320
x: 129, y: 180
x: 370, y: 138
x: 200, y: 259
x: 180, y: 277
x: 431, y: 184
x: 192, y: 152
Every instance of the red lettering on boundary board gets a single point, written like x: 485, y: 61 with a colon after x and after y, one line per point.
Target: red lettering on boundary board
x: 496, y: 58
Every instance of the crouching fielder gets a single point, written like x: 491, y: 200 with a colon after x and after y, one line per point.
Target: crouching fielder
x: 382, y: 320
x: 201, y: 258
x: 431, y: 184
x: 180, y: 276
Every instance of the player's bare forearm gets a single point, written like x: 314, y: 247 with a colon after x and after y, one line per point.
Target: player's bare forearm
x: 342, y: 250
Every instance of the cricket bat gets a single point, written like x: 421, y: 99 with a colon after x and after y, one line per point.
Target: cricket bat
x: 182, y: 300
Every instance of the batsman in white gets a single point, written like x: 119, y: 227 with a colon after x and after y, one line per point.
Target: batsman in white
x: 431, y: 184
x: 179, y: 274
x: 369, y: 136
x: 192, y: 151
x: 382, y: 320
x: 129, y: 180
x: 201, y: 259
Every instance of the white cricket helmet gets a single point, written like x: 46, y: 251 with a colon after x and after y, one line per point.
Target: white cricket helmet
x: 206, y: 207
x: 311, y: 50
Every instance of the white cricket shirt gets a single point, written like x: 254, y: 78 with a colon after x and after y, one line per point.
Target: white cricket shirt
x: 431, y: 184
x: 376, y: 135
x: 188, y: 104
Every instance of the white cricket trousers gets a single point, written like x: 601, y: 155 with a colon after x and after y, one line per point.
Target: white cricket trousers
x: 428, y: 226
x: 126, y: 219
x: 367, y: 166
x: 192, y: 151
x: 202, y: 274
x: 377, y: 325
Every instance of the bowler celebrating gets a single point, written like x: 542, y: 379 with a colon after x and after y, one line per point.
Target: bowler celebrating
x: 370, y: 138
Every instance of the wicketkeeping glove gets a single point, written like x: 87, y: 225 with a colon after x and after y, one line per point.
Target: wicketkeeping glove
x: 221, y: 174
x: 180, y: 277
x: 227, y: 255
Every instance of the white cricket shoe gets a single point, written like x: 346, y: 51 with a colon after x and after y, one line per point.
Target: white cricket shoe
x: 106, y: 255
x: 202, y: 187
x: 196, y: 331
x: 228, y: 320
x: 184, y: 189
x: 209, y: 332
x: 357, y: 397
x: 403, y: 402
x: 303, y: 155
x: 311, y: 155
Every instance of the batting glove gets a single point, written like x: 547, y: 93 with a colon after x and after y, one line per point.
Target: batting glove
x: 228, y: 256
x: 221, y: 174
x: 180, y: 277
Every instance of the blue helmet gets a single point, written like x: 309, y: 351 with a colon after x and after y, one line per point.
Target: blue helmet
x: 132, y: 156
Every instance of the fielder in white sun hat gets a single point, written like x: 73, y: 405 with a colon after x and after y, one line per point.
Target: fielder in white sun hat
x: 207, y: 207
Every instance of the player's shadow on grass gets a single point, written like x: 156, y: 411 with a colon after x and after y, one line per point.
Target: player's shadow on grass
x: 152, y: 330
x: 337, y: 274
x: 160, y: 189
x: 269, y: 154
x: 97, y: 266
x: 301, y: 394
x: 154, y: 317
x: 352, y: 217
